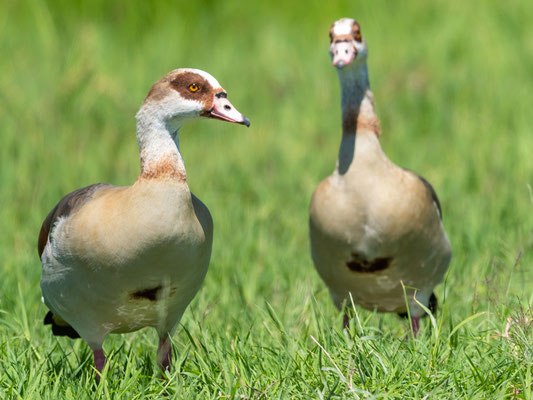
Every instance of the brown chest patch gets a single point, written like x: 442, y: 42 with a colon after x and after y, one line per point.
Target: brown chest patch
x: 362, y: 265
x: 164, y: 168
x: 353, y: 122
x: 369, y: 120
x: 370, y: 123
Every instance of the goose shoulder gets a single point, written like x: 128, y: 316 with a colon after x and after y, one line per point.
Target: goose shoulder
x: 67, y: 206
x: 121, y: 225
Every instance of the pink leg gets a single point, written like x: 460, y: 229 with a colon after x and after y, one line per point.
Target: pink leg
x: 99, y: 362
x: 415, y: 324
x: 164, y: 353
x: 346, y: 322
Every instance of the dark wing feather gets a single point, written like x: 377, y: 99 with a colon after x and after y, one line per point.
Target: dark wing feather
x: 431, y: 191
x: 59, y: 326
x: 66, y: 205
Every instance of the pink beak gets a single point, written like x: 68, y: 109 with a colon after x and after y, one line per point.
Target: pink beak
x: 224, y: 110
x: 343, y: 53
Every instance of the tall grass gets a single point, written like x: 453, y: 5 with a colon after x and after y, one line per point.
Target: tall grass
x: 453, y: 86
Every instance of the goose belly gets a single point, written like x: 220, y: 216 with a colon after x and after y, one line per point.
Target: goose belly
x: 101, y: 287
x: 375, y: 283
x: 367, y: 249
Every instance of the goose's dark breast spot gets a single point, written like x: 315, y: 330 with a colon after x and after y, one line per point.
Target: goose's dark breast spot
x: 147, y: 294
x: 363, y: 265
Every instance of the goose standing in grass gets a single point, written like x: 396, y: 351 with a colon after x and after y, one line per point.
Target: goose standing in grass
x: 373, y: 225
x: 117, y: 259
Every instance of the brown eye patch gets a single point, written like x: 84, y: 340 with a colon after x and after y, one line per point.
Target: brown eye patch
x: 356, y: 32
x: 192, y: 86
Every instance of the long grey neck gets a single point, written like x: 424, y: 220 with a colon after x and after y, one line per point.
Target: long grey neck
x: 354, y: 85
x: 357, y: 112
x: 158, y: 147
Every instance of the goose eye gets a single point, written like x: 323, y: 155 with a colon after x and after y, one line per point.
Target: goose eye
x: 358, y: 36
x: 193, y: 87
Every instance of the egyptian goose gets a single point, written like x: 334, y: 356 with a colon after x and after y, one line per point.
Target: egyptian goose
x: 373, y: 225
x: 117, y: 259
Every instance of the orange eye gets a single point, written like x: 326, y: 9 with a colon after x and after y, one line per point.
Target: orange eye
x: 193, y: 87
x: 358, y: 36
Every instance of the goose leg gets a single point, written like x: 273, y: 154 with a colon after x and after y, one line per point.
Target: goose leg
x: 415, y: 324
x: 164, y: 353
x: 346, y: 321
x: 99, y: 361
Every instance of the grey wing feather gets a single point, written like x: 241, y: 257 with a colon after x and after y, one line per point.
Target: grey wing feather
x: 66, y: 205
x: 431, y: 191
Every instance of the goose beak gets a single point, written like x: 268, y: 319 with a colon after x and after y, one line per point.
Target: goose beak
x: 343, y: 54
x: 224, y: 110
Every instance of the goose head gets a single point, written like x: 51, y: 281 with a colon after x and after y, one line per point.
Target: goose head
x: 186, y: 94
x: 347, y: 48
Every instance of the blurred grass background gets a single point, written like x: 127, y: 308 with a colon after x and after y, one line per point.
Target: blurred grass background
x: 453, y: 87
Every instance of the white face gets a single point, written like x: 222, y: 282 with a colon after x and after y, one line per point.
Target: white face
x: 347, y: 47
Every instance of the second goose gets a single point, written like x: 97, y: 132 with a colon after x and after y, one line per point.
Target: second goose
x: 373, y: 225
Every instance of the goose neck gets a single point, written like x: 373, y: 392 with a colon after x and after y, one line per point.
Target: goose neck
x: 359, y: 119
x: 159, y: 148
x: 357, y: 102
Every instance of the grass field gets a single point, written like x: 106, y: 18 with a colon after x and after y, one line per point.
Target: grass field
x: 453, y: 83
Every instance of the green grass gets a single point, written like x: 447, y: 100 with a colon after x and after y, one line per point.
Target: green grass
x: 453, y: 87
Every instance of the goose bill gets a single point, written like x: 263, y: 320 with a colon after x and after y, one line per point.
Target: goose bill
x: 343, y: 54
x: 224, y: 110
